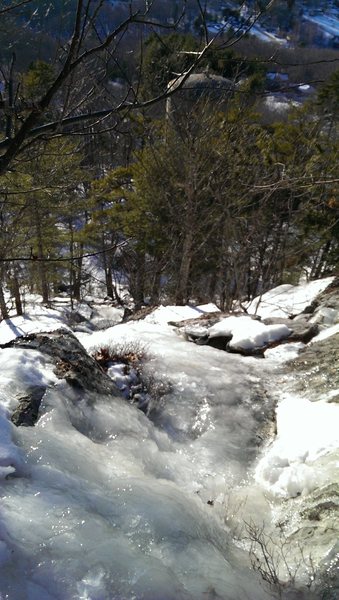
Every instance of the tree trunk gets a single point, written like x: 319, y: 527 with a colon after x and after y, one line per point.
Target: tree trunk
x: 156, y: 285
x: 17, y: 295
x: 109, y: 281
x: 71, y: 268
x: 3, y: 307
x: 41, y: 256
x: 78, y: 273
x: 139, y: 282
x: 322, y: 261
x: 181, y: 296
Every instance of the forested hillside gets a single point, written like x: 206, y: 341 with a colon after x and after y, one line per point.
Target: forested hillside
x: 202, y: 195
x: 169, y: 305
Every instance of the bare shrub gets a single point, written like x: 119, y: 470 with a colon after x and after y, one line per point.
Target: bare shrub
x: 141, y: 386
x: 129, y: 353
x: 269, y: 556
x: 155, y: 388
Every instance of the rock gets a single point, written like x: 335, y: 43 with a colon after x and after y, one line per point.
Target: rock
x: 71, y: 360
x: 201, y: 331
x: 74, y: 317
x: 202, y: 322
x: 218, y: 342
x: 318, y: 368
x: 258, y: 352
x: 325, y: 315
x: 101, y: 324
x: 329, y: 298
x: 319, y: 513
x: 222, y: 342
x: 27, y: 411
x: 197, y: 330
x: 309, y: 310
x: 301, y: 329
x: 141, y: 313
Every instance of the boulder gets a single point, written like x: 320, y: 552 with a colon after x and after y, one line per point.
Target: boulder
x: 72, y: 363
x: 301, y: 329
x: 27, y: 411
x: 318, y: 368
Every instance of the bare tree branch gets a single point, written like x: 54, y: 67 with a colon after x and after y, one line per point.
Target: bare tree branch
x: 13, y: 6
x: 14, y: 145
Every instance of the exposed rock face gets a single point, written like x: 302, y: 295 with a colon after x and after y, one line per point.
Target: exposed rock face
x: 130, y: 315
x: 301, y: 329
x: 72, y: 363
x: 204, y: 321
x: 28, y: 410
x: 312, y: 520
x: 197, y: 330
x: 318, y: 368
x: 328, y: 299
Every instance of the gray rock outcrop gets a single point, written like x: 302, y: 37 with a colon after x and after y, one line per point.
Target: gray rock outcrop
x: 71, y: 362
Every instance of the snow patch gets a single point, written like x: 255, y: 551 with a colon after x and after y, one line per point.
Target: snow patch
x: 287, y: 300
x: 164, y: 314
x: 248, y: 333
x: 306, y: 431
x: 37, y: 319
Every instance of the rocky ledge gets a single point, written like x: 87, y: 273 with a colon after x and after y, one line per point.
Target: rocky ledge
x: 71, y: 362
x: 203, y: 331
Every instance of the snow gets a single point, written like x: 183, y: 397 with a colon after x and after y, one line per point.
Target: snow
x: 96, y: 286
x: 305, y: 87
x: 267, y: 36
x: 287, y: 300
x: 325, y: 315
x: 283, y: 353
x: 329, y: 24
x: 326, y: 333
x: 37, y: 319
x: 19, y: 370
x: 112, y: 504
x: 279, y: 103
x: 206, y: 397
x: 248, y: 333
x: 9, y: 453
x: 101, y: 502
x: 164, y: 314
x: 306, y: 431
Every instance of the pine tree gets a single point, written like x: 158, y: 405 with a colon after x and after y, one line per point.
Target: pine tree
x: 40, y: 202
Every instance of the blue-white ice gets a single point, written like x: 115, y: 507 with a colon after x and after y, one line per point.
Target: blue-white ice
x: 101, y: 502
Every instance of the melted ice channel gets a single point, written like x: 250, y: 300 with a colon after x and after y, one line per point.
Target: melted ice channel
x: 101, y: 502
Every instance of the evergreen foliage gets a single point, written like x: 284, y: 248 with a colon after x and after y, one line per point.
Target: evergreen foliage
x: 205, y: 203
x: 42, y: 213
x: 166, y: 56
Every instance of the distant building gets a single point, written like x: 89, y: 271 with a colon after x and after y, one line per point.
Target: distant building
x: 198, y: 87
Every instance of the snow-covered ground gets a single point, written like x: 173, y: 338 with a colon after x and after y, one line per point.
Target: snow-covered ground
x: 288, y: 300
x: 329, y: 24
x: 256, y: 30
x: 267, y: 36
x: 101, y: 502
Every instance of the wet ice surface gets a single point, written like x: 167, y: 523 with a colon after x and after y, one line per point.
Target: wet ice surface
x: 214, y: 402
x: 105, y: 503
x: 101, y: 502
